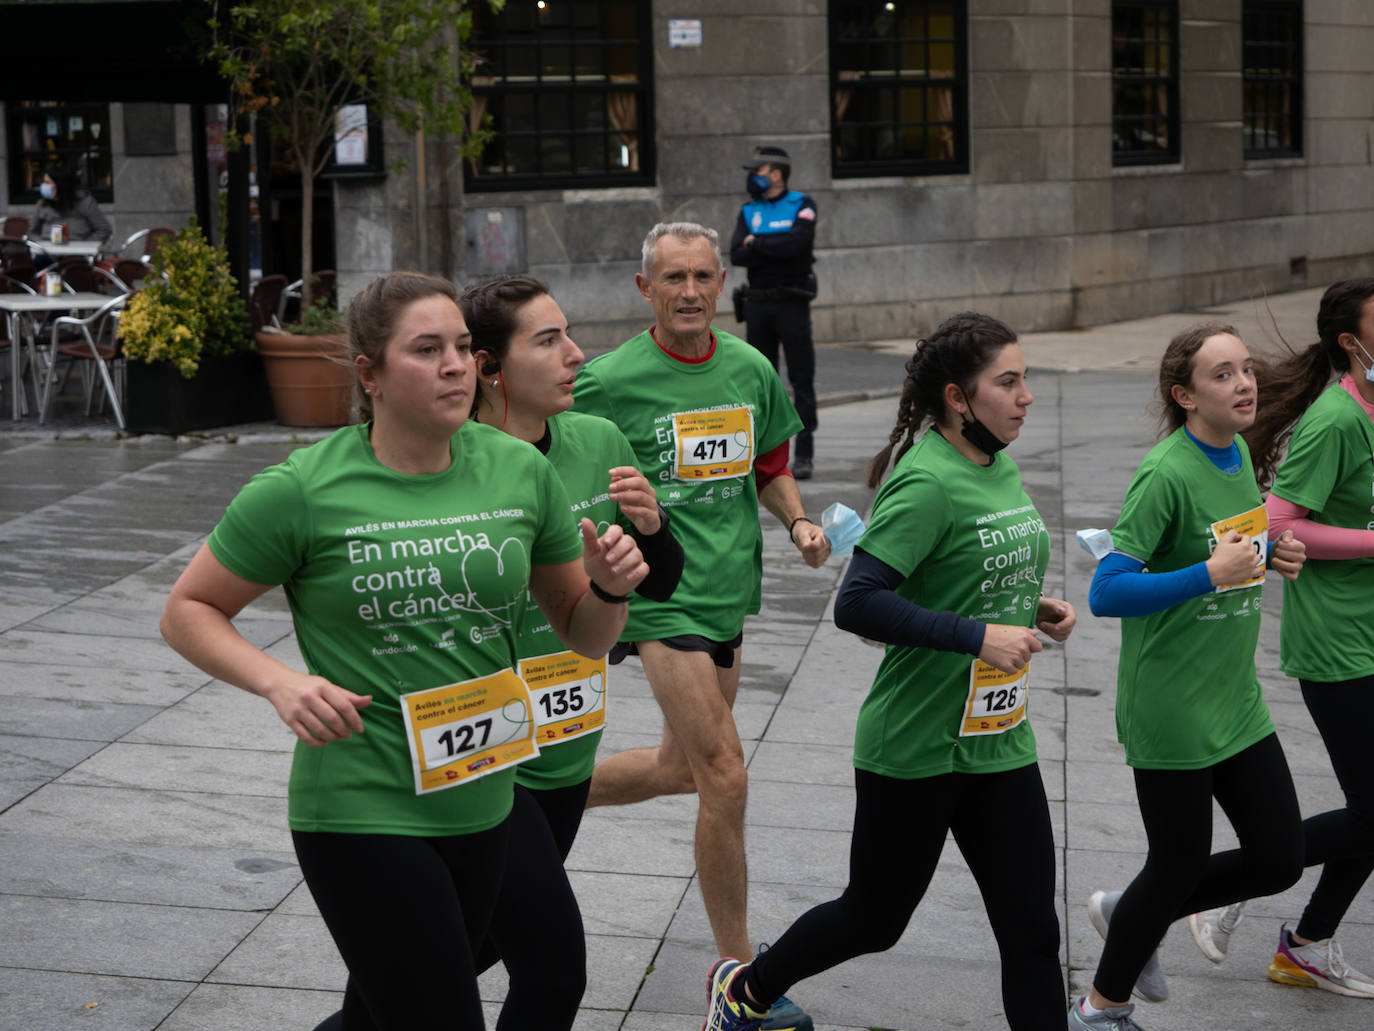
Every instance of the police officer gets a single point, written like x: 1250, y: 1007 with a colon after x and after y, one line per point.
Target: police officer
x: 773, y: 240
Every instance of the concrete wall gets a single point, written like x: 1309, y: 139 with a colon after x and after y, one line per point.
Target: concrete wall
x: 148, y: 191
x: 1042, y: 231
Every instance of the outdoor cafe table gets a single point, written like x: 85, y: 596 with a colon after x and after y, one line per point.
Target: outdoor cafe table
x: 87, y: 249
x: 16, y: 305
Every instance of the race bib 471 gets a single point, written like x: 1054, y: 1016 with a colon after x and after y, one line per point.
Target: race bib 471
x: 713, y: 444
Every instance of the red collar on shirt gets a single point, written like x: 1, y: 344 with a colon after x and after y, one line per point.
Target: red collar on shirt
x: 683, y: 358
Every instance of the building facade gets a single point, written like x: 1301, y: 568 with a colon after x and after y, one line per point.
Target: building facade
x: 1057, y: 163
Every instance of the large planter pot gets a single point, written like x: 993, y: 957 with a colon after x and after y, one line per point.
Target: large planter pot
x: 310, y: 384
x: 226, y: 391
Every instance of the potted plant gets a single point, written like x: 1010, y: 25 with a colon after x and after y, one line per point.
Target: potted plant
x: 307, y: 372
x: 189, y: 361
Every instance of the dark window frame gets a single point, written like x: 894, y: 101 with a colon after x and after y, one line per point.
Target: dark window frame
x: 492, y: 87
x: 27, y: 164
x: 1272, y: 72
x: 1136, y: 76
x: 874, y: 86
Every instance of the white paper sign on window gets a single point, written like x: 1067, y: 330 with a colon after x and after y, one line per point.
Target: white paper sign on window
x: 350, y: 135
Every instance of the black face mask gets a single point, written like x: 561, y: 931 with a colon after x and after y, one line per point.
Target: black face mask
x: 756, y: 184
x: 979, y: 435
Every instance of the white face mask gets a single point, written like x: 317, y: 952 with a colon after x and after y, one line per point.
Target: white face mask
x: 1368, y: 372
x: 47, y: 191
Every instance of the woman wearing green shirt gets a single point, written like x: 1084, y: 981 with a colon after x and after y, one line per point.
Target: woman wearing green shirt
x: 1323, y: 495
x: 948, y: 574
x: 527, y: 364
x: 1188, y: 705
x: 408, y: 547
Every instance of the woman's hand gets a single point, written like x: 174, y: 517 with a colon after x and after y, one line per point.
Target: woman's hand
x: 1288, y: 556
x: 1056, y: 618
x: 631, y: 491
x: 612, y: 561
x: 1009, y: 648
x: 1235, y: 561
x: 316, y: 710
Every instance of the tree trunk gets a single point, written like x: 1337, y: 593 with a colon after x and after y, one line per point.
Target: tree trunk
x: 307, y: 234
x: 445, y: 222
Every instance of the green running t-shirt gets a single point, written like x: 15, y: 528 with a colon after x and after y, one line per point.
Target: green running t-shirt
x: 396, y: 584
x: 968, y: 540
x: 1187, y: 693
x: 582, y: 449
x: 729, y: 409
x: 1327, y: 629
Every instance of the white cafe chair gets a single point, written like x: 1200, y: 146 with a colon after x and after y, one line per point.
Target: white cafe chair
x: 98, y: 346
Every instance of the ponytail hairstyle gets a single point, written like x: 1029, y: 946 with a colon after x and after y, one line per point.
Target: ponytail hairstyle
x: 957, y: 352
x: 1176, y: 369
x: 372, y: 317
x: 492, y: 311
x: 1290, y: 386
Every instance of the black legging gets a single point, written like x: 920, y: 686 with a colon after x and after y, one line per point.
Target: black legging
x: 1181, y: 876
x: 407, y: 915
x: 1001, y: 823
x: 1343, y: 839
x: 536, y: 930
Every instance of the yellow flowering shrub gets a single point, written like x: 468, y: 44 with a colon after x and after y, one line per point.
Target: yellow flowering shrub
x: 190, y: 308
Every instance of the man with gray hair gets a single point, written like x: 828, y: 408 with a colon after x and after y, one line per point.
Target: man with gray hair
x: 709, y: 421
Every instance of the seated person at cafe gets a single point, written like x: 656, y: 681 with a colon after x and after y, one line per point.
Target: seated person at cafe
x: 61, y: 202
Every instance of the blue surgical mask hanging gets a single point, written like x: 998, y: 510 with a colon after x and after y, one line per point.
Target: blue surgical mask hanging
x: 1368, y: 372
x: 756, y: 184
x: 47, y: 191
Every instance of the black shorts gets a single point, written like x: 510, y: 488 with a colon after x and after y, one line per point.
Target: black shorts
x: 722, y: 652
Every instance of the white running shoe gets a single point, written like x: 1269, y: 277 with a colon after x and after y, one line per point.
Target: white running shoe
x: 1319, y: 965
x: 1212, y: 929
x: 1151, y: 984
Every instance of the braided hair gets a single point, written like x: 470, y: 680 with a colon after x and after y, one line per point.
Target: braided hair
x: 1289, y: 386
x: 960, y: 348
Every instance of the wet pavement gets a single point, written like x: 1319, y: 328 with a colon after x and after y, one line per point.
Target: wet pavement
x: 146, y: 873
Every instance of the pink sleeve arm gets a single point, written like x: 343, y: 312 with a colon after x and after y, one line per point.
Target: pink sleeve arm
x: 1323, y: 542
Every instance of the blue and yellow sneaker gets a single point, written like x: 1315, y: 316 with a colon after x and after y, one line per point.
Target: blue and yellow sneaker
x: 724, y: 1013
x: 786, y: 1015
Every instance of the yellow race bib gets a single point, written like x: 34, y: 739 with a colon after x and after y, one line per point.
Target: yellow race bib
x: 1255, y: 525
x: 996, y: 700
x: 713, y: 444
x: 463, y: 731
x: 567, y: 695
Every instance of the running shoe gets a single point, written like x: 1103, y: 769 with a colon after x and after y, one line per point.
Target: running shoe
x: 1151, y: 984
x: 784, y: 1014
x: 1113, y: 1018
x: 724, y: 1013
x: 1319, y: 965
x: 1212, y: 929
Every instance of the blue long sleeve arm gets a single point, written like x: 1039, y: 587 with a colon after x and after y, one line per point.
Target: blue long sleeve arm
x: 868, y: 605
x: 1119, y: 587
